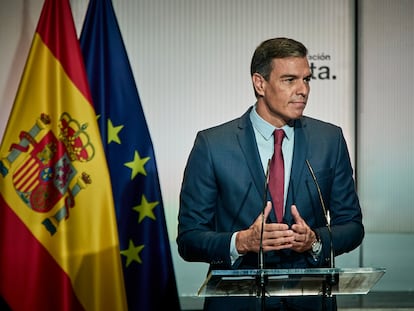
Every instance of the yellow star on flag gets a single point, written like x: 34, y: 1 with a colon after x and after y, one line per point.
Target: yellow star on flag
x: 132, y: 253
x: 113, y: 132
x: 145, y: 209
x: 137, y: 165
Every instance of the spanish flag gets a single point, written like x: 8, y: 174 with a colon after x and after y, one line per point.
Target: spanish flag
x: 59, y: 246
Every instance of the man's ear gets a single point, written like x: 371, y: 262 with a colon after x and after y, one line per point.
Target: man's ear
x: 258, y: 83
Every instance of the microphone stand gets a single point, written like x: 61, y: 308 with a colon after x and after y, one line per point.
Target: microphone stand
x: 261, y: 279
x: 332, y: 279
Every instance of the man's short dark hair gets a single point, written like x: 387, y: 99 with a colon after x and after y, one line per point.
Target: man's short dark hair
x: 271, y: 49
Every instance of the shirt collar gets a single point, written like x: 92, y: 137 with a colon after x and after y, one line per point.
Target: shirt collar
x: 266, y: 129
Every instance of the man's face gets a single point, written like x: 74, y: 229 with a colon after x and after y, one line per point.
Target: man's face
x: 283, y: 98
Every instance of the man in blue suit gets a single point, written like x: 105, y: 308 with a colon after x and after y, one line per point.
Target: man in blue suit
x: 223, y: 189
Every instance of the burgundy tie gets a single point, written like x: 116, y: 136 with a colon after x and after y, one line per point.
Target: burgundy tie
x: 277, y: 175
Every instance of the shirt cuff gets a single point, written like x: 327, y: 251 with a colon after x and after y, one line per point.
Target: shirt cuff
x: 234, y: 254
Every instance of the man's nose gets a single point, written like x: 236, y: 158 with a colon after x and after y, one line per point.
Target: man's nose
x: 303, y: 88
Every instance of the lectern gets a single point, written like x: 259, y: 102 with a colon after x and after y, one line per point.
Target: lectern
x: 290, y: 282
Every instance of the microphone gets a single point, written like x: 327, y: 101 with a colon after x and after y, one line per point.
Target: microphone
x: 334, y: 278
x: 261, y: 279
x: 266, y: 186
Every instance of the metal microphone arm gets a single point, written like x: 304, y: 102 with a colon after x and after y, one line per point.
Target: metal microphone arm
x: 261, y: 278
x: 333, y: 279
x: 261, y: 261
x: 325, y: 212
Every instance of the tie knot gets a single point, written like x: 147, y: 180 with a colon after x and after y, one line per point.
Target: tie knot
x: 278, y: 134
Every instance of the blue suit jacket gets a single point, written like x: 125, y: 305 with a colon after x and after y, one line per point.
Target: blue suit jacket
x: 223, y: 191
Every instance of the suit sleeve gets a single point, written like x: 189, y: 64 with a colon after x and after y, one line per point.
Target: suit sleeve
x: 197, y: 238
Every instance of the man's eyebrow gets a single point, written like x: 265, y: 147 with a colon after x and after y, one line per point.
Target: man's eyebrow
x: 289, y: 75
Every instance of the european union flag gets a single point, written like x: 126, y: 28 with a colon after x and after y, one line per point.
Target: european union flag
x: 144, y: 244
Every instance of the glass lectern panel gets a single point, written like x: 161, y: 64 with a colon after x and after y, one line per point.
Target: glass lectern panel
x: 290, y: 282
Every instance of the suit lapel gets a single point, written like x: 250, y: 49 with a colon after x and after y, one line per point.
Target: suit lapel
x: 248, y: 146
x: 300, y: 154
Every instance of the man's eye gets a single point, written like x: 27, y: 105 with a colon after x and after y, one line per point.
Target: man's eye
x: 307, y: 79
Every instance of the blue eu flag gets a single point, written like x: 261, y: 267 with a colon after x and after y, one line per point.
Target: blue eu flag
x: 144, y: 244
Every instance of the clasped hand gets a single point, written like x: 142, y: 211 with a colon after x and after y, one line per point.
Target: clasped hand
x: 276, y: 236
